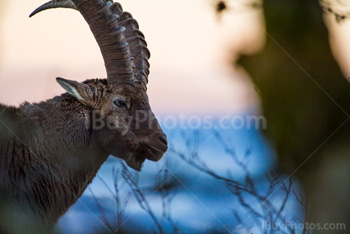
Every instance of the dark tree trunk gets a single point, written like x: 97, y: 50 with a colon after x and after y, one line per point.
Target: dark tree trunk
x: 306, y: 100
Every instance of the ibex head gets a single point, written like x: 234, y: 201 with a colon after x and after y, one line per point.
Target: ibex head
x: 121, y: 123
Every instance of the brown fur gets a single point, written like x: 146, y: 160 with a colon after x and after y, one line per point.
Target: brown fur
x: 49, y: 152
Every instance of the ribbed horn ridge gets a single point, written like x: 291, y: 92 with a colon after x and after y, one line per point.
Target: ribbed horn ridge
x: 122, y: 44
x: 137, y: 43
x: 110, y: 37
x: 54, y: 4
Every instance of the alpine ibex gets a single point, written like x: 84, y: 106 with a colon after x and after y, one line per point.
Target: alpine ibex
x: 51, y: 151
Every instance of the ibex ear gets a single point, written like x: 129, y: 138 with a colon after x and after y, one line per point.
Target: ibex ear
x: 80, y: 91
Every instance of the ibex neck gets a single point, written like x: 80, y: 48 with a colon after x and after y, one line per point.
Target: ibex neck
x: 50, y: 155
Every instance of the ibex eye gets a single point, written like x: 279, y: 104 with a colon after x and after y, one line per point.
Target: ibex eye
x: 120, y: 103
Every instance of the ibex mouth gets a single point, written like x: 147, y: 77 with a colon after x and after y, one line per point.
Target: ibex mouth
x: 148, y: 152
x: 155, y: 153
x: 135, y: 162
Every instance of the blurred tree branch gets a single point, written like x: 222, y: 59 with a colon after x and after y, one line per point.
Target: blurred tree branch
x: 266, y: 212
x: 238, y: 6
x: 340, y: 9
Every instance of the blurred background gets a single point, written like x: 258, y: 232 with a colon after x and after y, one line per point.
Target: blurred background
x: 287, y: 62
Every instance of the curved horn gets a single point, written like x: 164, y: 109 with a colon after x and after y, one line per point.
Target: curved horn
x: 110, y: 37
x: 54, y: 4
x: 134, y: 37
x: 136, y: 41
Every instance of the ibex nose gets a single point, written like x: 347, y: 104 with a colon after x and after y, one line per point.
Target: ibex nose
x: 163, y: 139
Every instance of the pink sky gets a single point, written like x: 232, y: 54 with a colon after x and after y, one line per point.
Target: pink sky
x: 190, y: 70
x: 189, y: 66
